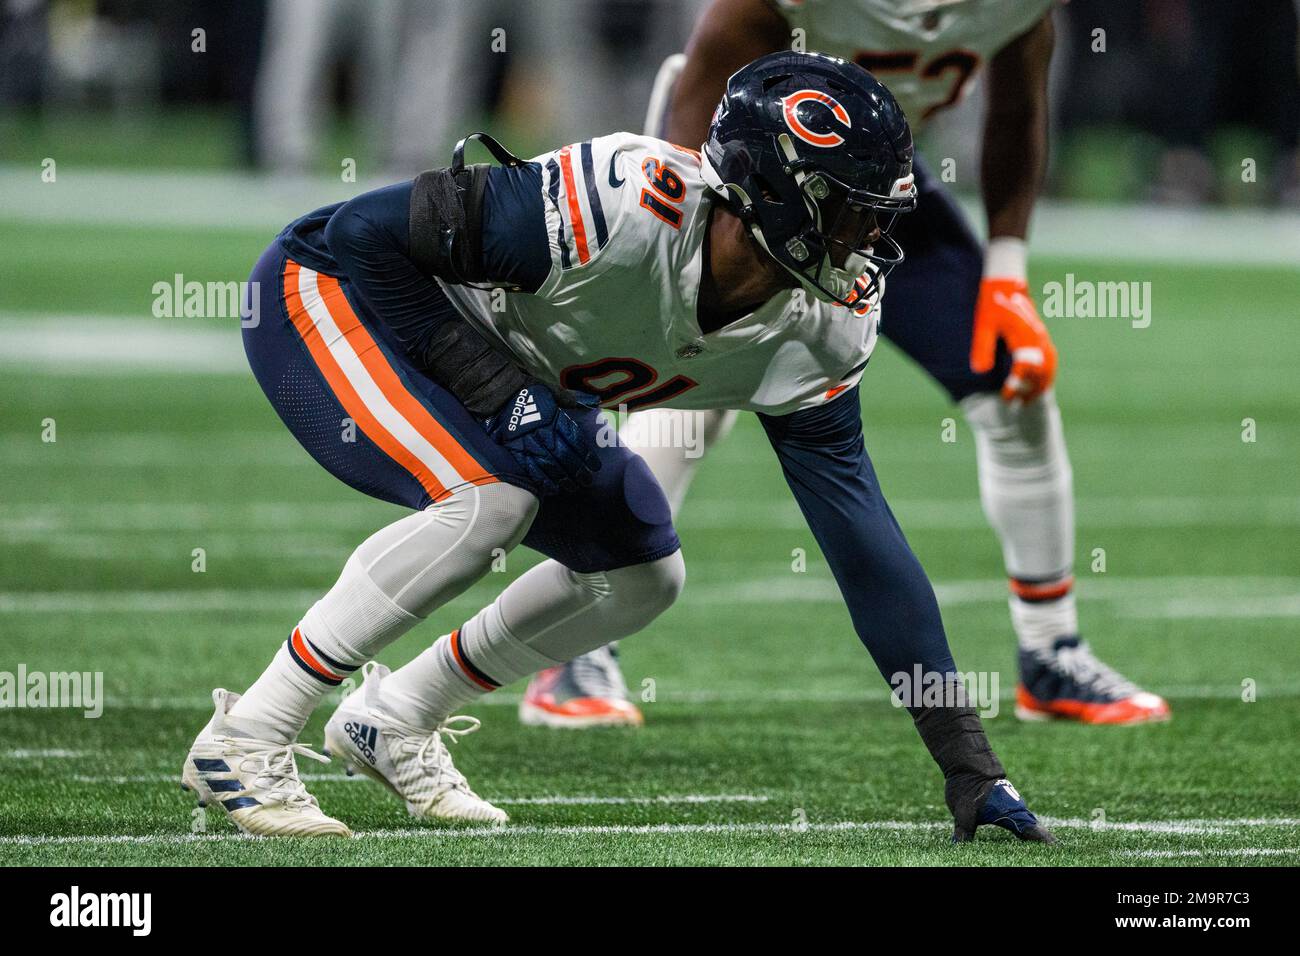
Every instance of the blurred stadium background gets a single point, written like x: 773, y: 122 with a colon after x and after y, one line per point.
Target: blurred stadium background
x: 1183, y: 91
x: 144, y: 140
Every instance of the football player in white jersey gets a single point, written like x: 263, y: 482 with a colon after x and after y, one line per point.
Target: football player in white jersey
x: 962, y: 311
x: 469, y: 322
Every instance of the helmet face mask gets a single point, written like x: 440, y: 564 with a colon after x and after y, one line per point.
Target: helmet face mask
x: 822, y: 210
x: 850, y: 228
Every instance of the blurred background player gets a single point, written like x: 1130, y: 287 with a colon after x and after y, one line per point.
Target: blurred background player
x: 409, y: 53
x: 132, y: 85
x: 962, y: 312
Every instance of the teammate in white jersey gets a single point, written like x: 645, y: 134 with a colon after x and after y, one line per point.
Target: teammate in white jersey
x: 961, y: 311
x: 468, y: 322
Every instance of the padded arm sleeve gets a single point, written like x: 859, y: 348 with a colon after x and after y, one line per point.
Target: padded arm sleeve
x: 890, y: 600
x: 370, y: 238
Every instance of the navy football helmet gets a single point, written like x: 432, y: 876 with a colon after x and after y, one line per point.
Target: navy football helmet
x: 814, y: 155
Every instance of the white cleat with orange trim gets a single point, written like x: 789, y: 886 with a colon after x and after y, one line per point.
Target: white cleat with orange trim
x: 254, y: 781
x: 414, y: 764
x: 588, y: 691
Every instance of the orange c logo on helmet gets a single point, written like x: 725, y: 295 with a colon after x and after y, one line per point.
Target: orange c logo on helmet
x: 790, y: 105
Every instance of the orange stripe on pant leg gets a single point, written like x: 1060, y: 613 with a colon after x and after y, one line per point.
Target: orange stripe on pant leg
x: 575, y: 210
x: 346, y: 394
x: 383, y: 374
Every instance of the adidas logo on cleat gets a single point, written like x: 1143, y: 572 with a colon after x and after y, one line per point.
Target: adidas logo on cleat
x: 364, y: 738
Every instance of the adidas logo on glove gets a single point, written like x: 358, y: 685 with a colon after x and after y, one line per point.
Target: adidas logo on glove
x: 524, y: 411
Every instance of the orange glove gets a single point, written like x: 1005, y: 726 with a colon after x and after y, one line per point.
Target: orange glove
x: 1005, y: 311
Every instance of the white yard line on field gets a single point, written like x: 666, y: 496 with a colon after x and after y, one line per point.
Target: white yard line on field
x: 1144, y: 597
x: 226, y: 199
x: 1140, y: 597
x: 151, y: 602
x: 965, y: 514
x: 101, y: 345
x: 682, y: 798
x: 665, y: 829
x: 115, y: 448
x: 172, y: 448
x: 1179, y: 827
x: 28, y: 519
x: 866, y: 695
x: 168, y: 516
x: 1228, y: 690
x: 176, y: 198
x: 55, y: 753
x: 1245, y: 851
x: 1218, y: 609
x: 578, y: 800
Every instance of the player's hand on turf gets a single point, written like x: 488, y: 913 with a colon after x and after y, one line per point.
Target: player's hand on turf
x: 1005, y: 311
x: 991, y: 803
x: 546, y: 441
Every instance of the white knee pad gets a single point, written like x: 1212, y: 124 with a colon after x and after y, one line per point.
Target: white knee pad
x: 424, y: 560
x: 550, y: 614
x: 640, y: 593
x: 673, y: 443
x: 1026, y: 484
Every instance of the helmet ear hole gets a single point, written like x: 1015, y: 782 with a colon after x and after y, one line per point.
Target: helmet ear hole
x: 765, y: 188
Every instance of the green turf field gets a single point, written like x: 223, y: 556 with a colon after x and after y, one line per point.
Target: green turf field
x: 770, y: 739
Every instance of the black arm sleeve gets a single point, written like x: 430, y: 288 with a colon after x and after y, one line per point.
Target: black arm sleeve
x: 889, y: 598
x: 369, y: 237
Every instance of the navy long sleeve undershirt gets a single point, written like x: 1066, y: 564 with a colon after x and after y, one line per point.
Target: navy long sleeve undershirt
x: 369, y: 239
x: 889, y: 597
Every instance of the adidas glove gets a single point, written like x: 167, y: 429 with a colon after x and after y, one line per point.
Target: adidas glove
x: 547, y: 442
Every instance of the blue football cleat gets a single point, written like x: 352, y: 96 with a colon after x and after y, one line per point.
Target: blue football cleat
x: 1068, y: 682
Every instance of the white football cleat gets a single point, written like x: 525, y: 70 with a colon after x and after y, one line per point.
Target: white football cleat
x: 254, y: 781
x: 413, y: 763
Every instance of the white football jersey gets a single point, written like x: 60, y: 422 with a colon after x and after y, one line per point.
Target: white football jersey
x: 626, y: 218
x: 925, y: 51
